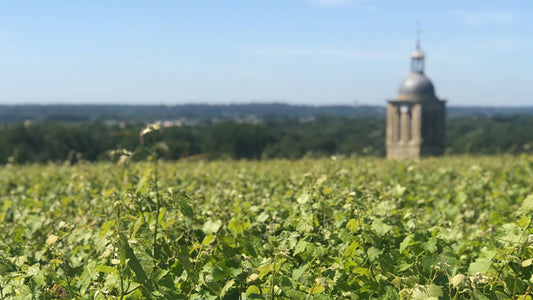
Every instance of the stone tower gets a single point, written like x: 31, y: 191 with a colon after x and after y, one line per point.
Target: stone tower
x: 416, y: 118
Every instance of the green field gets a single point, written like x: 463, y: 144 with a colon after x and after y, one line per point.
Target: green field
x: 358, y: 228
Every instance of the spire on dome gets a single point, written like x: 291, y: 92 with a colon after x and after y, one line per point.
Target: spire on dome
x: 418, y: 32
x: 417, y: 57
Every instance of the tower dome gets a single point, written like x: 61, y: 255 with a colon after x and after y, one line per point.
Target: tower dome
x: 416, y: 86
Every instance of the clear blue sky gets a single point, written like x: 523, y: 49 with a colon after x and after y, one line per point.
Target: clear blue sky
x: 294, y: 51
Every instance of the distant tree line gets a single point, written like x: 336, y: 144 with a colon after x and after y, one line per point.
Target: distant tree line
x: 291, y: 138
x: 206, y: 112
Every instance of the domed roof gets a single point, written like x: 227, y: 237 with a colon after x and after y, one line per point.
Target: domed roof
x: 417, y: 53
x: 415, y: 87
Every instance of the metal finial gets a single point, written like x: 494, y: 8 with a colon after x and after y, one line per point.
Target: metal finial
x: 418, y: 33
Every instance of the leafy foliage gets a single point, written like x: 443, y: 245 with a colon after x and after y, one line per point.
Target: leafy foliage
x: 452, y: 227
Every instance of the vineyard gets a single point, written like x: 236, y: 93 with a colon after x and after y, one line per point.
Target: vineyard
x: 336, y: 228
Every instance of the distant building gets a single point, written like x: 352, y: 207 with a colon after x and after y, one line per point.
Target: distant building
x: 416, y: 118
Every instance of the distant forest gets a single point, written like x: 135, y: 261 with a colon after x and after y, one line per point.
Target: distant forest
x: 203, y: 112
x: 89, y: 133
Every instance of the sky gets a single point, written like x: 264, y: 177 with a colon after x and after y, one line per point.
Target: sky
x: 315, y: 52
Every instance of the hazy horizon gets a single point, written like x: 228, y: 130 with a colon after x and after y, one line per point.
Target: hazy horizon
x: 383, y: 105
x: 297, y: 52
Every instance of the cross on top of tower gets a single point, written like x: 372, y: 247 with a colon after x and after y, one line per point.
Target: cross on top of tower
x: 418, y: 33
x: 417, y: 57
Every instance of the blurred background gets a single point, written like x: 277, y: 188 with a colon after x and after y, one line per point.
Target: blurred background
x: 256, y: 79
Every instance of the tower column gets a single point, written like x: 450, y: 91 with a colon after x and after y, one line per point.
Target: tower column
x: 416, y: 122
x: 398, y: 122
x: 394, y: 124
x: 390, y: 124
x: 405, y: 125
